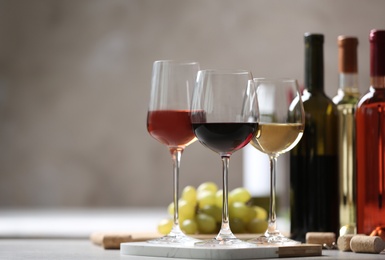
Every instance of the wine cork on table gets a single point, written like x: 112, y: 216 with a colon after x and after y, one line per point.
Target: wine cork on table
x: 321, y: 238
x: 367, y: 244
x: 112, y: 240
x: 343, y: 242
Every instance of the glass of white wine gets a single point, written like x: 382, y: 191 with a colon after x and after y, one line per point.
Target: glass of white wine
x: 281, y: 126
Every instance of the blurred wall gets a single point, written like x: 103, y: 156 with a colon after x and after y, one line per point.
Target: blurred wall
x: 75, y: 80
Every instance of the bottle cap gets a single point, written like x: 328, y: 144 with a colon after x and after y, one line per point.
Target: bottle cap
x: 377, y: 36
x: 347, y: 54
x: 314, y: 37
x: 314, y: 62
x: 377, y: 53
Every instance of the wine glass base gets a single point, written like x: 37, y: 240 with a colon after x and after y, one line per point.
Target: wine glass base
x: 226, y: 242
x: 274, y: 240
x: 174, y: 240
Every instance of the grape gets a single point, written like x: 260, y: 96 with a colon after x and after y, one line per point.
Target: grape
x: 189, y: 226
x: 260, y: 212
x: 207, y: 186
x: 241, y: 211
x: 186, y: 210
x: 200, y: 211
x: 250, y: 215
x: 219, y: 199
x: 240, y: 195
x: 206, y: 198
x: 257, y: 226
x: 206, y: 223
x: 237, y: 225
x: 189, y: 193
x: 213, y: 211
x: 165, y: 226
x: 170, y: 209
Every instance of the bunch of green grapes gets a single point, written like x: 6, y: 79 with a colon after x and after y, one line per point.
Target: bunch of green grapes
x: 200, y: 211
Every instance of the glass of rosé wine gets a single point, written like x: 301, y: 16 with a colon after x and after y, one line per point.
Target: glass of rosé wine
x: 168, y: 121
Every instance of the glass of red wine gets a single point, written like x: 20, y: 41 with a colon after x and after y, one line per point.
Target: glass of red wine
x: 224, y: 116
x: 168, y: 121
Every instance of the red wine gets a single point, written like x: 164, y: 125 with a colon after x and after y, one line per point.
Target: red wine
x: 224, y: 137
x: 312, y: 193
x: 171, y: 127
x: 314, y: 161
x: 370, y: 141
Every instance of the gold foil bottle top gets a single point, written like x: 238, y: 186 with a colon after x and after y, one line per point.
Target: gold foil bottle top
x: 347, y: 54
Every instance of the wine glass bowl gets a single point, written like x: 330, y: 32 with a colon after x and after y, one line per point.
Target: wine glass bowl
x: 168, y: 121
x: 224, y: 116
x: 281, y: 127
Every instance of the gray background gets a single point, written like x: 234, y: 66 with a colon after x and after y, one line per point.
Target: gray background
x: 75, y: 81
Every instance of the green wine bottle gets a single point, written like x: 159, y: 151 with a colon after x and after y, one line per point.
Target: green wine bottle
x: 314, y: 204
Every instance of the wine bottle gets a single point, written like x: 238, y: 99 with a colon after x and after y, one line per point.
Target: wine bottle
x: 346, y: 101
x: 370, y: 138
x: 314, y: 205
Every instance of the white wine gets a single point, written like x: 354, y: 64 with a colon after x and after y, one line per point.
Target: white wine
x: 346, y: 100
x: 347, y: 171
x: 277, y: 138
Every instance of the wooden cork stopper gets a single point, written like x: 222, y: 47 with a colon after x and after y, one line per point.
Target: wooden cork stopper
x: 321, y: 238
x: 367, y: 244
x: 343, y: 242
x: 110, y: 240
x: 113, y: 240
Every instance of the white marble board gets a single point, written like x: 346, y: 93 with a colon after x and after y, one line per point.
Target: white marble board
x: 193, y: 252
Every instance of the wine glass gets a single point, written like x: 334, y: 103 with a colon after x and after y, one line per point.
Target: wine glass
x: 282, y: 122
x: 168, y: 121
x: 224, y: 116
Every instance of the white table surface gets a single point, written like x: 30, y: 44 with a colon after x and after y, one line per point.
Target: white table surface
x: 64, y: 233
x: 44, y: 249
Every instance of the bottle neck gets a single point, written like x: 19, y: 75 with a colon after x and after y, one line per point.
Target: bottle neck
x: 314, y: 67
x: 377, y: 81
x: 377, y: 58
x: 348, y: 82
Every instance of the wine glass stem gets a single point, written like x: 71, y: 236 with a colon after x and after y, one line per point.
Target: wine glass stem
x: 176, y: 154
x: 272, y: 226
x: 225, y: 231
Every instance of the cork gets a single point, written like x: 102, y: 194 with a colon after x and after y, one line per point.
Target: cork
x: 112, y: 240
x: 321, y: 238
x: 343, y: 242
x: 367, y: 244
